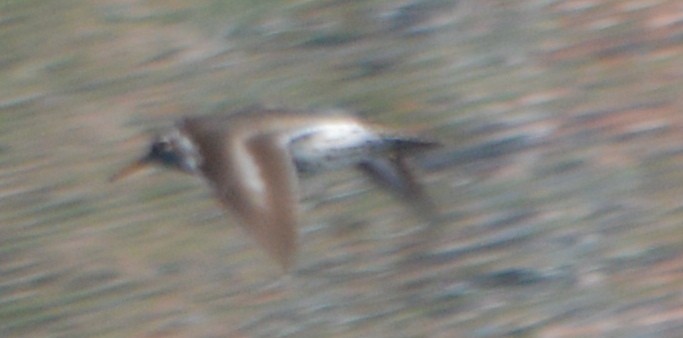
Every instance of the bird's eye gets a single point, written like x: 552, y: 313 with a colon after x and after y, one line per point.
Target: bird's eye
x: 165, y: 145
x: 162, y: 146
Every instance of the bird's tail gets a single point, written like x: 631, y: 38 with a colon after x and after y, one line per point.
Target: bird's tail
x: 406, y: 145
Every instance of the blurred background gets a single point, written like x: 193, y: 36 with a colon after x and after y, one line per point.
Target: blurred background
x: 559, y: 189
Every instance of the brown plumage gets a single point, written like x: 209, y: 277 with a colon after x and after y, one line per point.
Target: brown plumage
x: 252, y: 160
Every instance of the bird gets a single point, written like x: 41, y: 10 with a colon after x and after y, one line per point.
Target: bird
x: 253, y: 159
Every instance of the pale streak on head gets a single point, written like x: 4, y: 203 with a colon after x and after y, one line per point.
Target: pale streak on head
x: 194, y: 158
x: 191, y: 158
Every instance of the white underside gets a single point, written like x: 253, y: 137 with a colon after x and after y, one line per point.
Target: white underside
x: 331, y: 146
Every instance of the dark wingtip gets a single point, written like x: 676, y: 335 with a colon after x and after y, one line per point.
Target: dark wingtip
x: 395, y: 176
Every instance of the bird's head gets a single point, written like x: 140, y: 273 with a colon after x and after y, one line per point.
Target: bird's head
x: 172, y: 149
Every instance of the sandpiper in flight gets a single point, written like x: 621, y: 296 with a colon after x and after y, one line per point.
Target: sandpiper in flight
x: 253, y: 158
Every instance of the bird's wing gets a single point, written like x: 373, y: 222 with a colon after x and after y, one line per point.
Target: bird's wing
x: 394, y: 175
x: 256, y: 179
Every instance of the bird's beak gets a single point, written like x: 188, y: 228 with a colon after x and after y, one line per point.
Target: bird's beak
x: 131, y: 169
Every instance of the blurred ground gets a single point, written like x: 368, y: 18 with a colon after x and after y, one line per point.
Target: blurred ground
x: 559, y: 190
